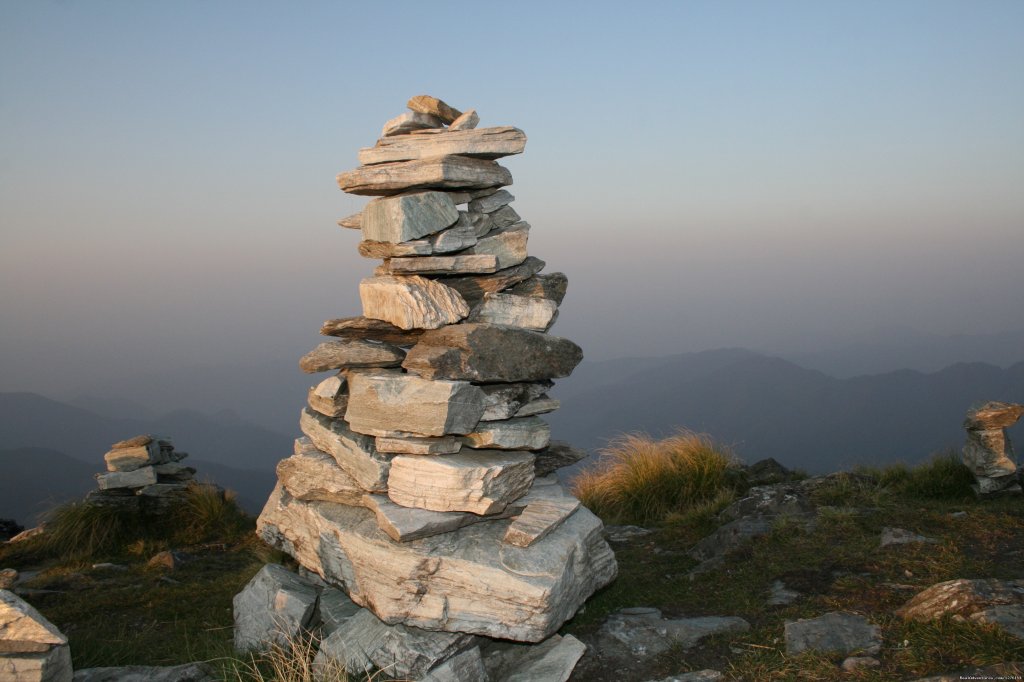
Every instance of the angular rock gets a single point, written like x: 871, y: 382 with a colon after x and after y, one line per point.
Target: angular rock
x: 492, y: 202
x: 168, y: 559
x: 835, y: 632
x: 537, y: 314
x: 187, y: 672
x: 136, y: 478
x: 462, y: 235
x: 525, y: 433
x: 503, y: 217
x: 363, y: 643
x: 274, y: 607
x: 330, y: 396
x: 411, y: 302
x: 467, y: 666
x: 463, y: 581
x: 445, y: 172
x: 781, y: 595
x: 417, y: 247
x: 31, y: 648
x: 473, y: 288
x: 491, y: 353
x: 994, y: 415
x: 502, y: 401
x: 51, y: 666
x: 335, y: 609
x: 350, y: 353
x: 352, y: 222
x: 163, y: 490
x: 538, y: 519
x: 988, y: 451
x: 962, y: 598
x: 900, y: 536
x: 464, y: 263
x: 425, y: 104
x: 556, y: 455
x: 481, y: 143
x: 404, y: 124
x: 551, y: 287
x: 419, y: 445
x: 382, y: 403
x: 506, y: 244
x: 552, y: 660
x: 541, y: 405
x: 404, y: 524
x: 135, y: 442
x: 643, y: 632
x: 366, y: 328
x: 354, y: 452
x: 481, y: 482
x: 407, y: 216
x: 310, y: 474
x: 467, y: 121
x: 173, y: 472
x: 132, y: 457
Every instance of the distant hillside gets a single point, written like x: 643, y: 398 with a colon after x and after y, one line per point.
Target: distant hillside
x: 36, y: 479
x: 768, y: 407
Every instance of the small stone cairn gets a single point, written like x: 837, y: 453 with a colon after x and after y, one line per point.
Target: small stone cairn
x: 423, y: 485
x: 988, y: 451
x: 144, y: 473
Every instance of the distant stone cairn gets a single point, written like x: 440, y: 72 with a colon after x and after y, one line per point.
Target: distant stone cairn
x: 143, y: 473
x: 988, y: 451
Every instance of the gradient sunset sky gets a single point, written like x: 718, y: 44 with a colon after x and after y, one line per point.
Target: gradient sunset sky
x: 707, y: 173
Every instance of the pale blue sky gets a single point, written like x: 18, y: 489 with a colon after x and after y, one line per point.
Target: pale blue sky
x: 707, y: 173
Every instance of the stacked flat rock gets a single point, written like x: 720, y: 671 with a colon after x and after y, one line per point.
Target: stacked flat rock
x: 423, y: 484
x: 988, y: 451
x: 144, y: 472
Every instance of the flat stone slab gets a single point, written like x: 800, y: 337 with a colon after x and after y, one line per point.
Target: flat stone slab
x: 404, y: 524
x: 311, y: 474
x: 836, y: 632
x: 188, y: 672
x: 334, y: 355
x: 127, y: 457
x: 443, y: 265
x: 473, y: 287
x: 643, y: 632
x: 273, y: 608
x: 506, y: 244
x: 468, y: 580
x: 446, y: 172
x: 538, y: 519
x: 541, y: 405
x: 550, y: 286
x: 329, y: 397
x: 503, y: 401
x: 389, y: 402
x: 520, y: 433
x: 354, y: 452
x: 407, y: 217
x: 491, y: 202
x: 481, y: 143
x: 411, y: 302
x: 481, y: 482
x: 136, y: 478
x: 374, y: 330
x: 403, y: 124
x: 527, y: 312
x: 427, y: 104
x: 466, y: 121
x: 552, y: 660
x: 419, y: 445
x: 364, y: 642
x: 491, y: 353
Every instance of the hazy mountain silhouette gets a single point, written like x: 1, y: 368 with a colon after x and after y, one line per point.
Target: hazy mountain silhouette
x: 36, y: 479
x: 768, y: 407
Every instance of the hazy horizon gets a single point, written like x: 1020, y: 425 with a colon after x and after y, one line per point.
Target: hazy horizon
x: 786, y: 177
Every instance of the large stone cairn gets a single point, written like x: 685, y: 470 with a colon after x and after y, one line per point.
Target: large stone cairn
x: 143, y: 473
x: 988, y: 451
x: 423, y: 485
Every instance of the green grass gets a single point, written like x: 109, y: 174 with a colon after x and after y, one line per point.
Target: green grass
x: 639, y: 480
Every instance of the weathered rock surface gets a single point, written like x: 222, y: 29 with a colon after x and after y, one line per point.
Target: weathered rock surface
x: 503, y: 401
x: 335, y: 608
x: 522, y: 433
x: 486, y: 352
x: 491, y: 202
x: 445, y: 172
x: 406, y: 217
x: 481, y: 143
x: 556, y: 455
x: 463, y: 234
x: 31, y: 648
x: 330, y: 396
x: 411, y: 302
x: 383, y: 402
x: 363, y: 643
x: 333, y: 355
x: 540, y: 517
x: 552, y: 660
x: 506, y: 244
x: 988, y: 601
x: 473, y: 288
x: 404, y: 124
x: 464, y: 581
x: 781, y: 595
x: 188, y: 672
x: 135, y: 478
x: 404, y: 524
x: 354, y: 452
x: 481, y: 482
x: 836, y: 632
x: 988, y: 451
x: 366, y: 328
x: 643, y: 632
x: 465, y: 263
x: 426, y: 104
x: 541, y: 405
x: 352, y: 222
x: 132, y: 457
x: 516, y: 311
x: 310, y: 474
x: 551, y: 286
x: 467, y: 666
x: 901, y: 536
x: 275, y: 606
x: 418, y: 247
x: 419, y: 445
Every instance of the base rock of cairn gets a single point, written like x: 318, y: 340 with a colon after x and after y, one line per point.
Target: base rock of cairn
x: 423, y: 487
x: 144, y: 473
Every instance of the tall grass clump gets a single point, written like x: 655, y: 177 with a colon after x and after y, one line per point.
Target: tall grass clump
x: 641, y: 480
x: 78, y: 530
x: 944, y: 477
x: 210, y: 513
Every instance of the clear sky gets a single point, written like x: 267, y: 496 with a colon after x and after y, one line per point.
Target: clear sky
x: 707, y: 173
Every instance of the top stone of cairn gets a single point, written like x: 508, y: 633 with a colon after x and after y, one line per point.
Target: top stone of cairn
x: 425, y: 104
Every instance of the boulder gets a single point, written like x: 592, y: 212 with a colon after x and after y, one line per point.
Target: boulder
x: 481, y: 482
x: 642, y: 631
x: 31, y: 648
x: 445, y: 172
x: 403, y: 124
x: 310, y: 474
x: 406, y: 217
x: 491, y: 353
x: 411, y: 302
x: 464, y: 581
x: 835, y: 632
x: 390, y: 403
x: 374, y: 330
x: 350, y: 353
x: 481, y: 143
x: 1000, y: 602
x: 521, y: 433
x: 275, y: 607
x: 354, y: 452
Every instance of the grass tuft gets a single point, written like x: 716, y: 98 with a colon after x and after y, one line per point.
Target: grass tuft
x: 641, y: 480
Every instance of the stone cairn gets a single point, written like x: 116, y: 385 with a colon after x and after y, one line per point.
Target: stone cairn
x: 423, y: 486
x: 143, y: 473
x: 988, y: 451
